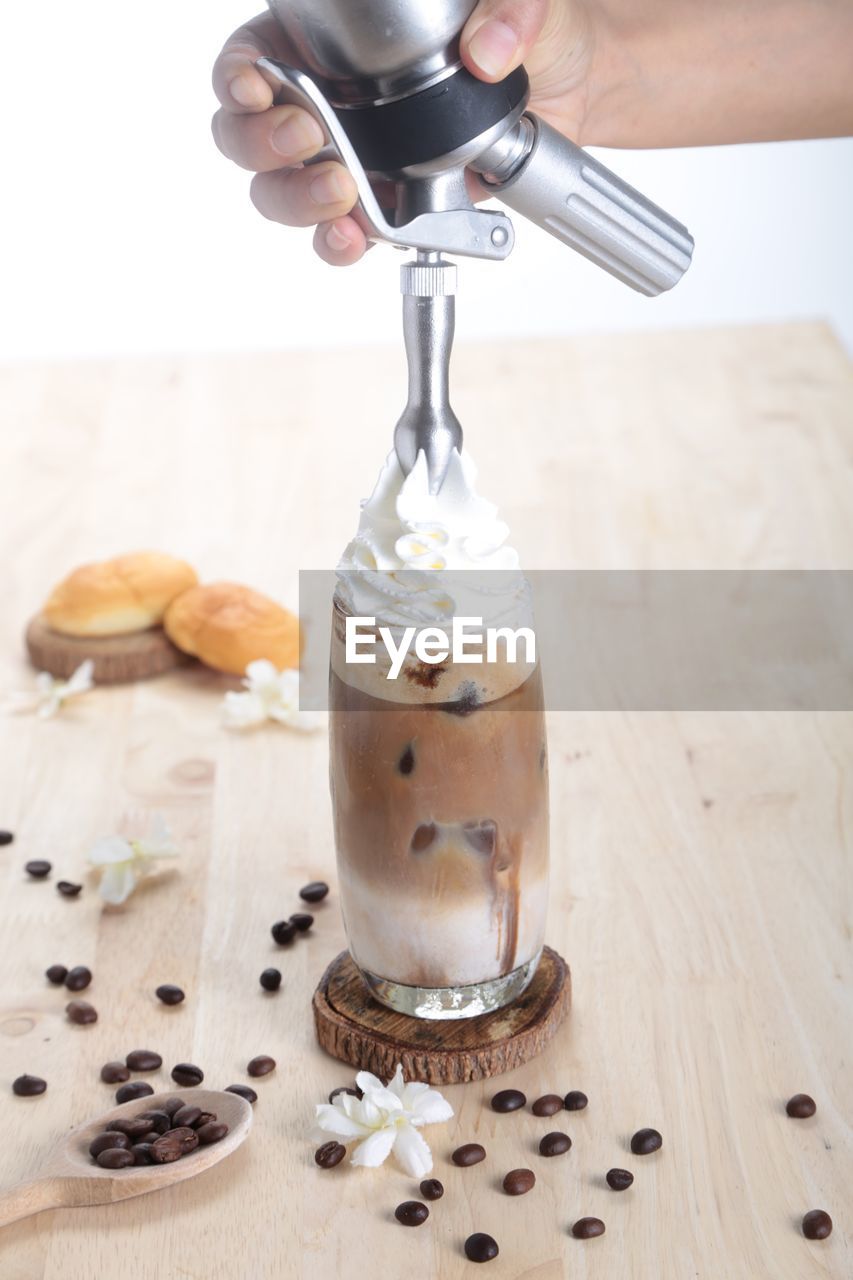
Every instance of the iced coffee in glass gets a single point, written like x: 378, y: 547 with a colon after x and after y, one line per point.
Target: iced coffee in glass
x: 439, y: 775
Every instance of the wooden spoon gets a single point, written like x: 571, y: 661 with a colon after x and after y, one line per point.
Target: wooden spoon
x: 70, y: 1177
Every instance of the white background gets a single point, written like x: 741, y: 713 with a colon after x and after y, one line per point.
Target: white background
x: 124, y: 230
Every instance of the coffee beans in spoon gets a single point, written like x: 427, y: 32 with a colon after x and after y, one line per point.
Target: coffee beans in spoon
x: 120, y: 1145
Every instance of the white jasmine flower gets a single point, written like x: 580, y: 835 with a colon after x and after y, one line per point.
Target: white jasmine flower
x: 50, y: 693
x: 387, y: 1118
x: 269, y: 695
x: 125, y: 862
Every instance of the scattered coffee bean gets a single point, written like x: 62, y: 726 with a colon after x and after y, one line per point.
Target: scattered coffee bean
x: 645, y: 1141
x: 554, y: 1144
x: 356, y: 1093
x: 81, y: 1012
x: 411, y: 1213
x: 38, y: 868
x: 144, y: 1060
x: 519, y: 1181
x: 174, y: 1144
x: 57, y: 973
x: 213, y: 1131
x: 271, y: 979
x: 114, y: 1073
x: 68, y: 889
x: 283, y: 932
x: 508, y: 1100
x: 588, y: 1228
x: 170, y: 1106
x: 136, y: 1089
x: 29, y: 1086
x: 116, y: 1158
x: 261, y: 1066
x: 817, y: 1225
x: 575, y: 1100
x: 6, y: 837
x: 314, y: 892
x: 105, y: 1141
x: 160, y: 1121
x: 132, y: 1126
x: 78, y: 978
x: 330, y: 1154
x: 431, y: 1189
x: 549, y: 1105
x: 168, y: 993
x: 801, y: 1106
x: 302, y: 921
x: 619, y: 1179
x: 187, y: 1117
x: 187, y: 1074
x: 243, y: 1091
x: 470, y: 1153
x: 143, y: 1153
x: 481, y: 1248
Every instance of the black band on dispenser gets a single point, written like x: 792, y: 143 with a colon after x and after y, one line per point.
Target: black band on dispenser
x: 431, y: 123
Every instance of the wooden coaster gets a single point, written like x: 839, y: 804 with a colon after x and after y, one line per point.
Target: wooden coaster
x: 354, y: 1027
x: 117, y: 659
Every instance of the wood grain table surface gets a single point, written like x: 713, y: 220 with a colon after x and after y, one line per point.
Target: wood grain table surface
x: 701, y: 862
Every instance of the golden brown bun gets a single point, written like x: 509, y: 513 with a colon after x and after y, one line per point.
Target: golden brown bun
x: 119, y: 596
x: 228, y: 626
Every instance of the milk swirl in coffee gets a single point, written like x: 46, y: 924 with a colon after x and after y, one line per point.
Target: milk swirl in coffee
x: 439, y: 775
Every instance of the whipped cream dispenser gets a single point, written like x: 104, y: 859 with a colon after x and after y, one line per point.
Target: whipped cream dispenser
x: 385, y: 81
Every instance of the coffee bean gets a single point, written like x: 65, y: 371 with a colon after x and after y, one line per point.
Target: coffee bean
x: 508, y: 1100
x: 105, y: 1141
x: 174, y: 1144
x: 187, y: 1074
x: 38, y: 868
x: 148, y: 1137
x: 481, y: 1248
x: 356, y: 1093
x: 116, y: 1158
x: 143, y: 1153
x: 549, y: 1105
x: 187, y: 1117
x: 57, y: 973
x: 470, y: 1153
x: 81, y: 1012
x: 206, y: 1117
x: 78, y: 978
x: 645, y: 1141
x: 28, y: 1086
x: 302, y: 921
x: 329, y: 1155
x: 144, y: 1060
x: 136, y: 1089
x: 261, y: 1066
x: 817, y: 1225
x: 6, y: 837
x: 133, y: 1126
x: 271, y: 979
x: 243, y: 1091
x: 283, y: 932
x: 801, y: 1106
x: 160, y: 1121
x: 213, y: 1131
x: 168, y: 993
x: 431, y: 1189
x: 575, y: 1100
x: 411, y: 1213
x: 588, y: 1228
x: 519, y: 1181
x: 68, y: 889
x: 170, y: 1106
x: 619, y: 1179
x: 114, y: 1073
x: 314, y: 892
x: 554, y: 1144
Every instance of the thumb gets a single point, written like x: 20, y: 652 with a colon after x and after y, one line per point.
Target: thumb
x: 499, y: 35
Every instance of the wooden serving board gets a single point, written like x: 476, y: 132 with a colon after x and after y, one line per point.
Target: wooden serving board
x: 118, y: 659
x: 354, y: 1027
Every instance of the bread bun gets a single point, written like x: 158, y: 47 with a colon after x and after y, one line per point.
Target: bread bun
x: 119, y: 596
x: 228, y: 626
